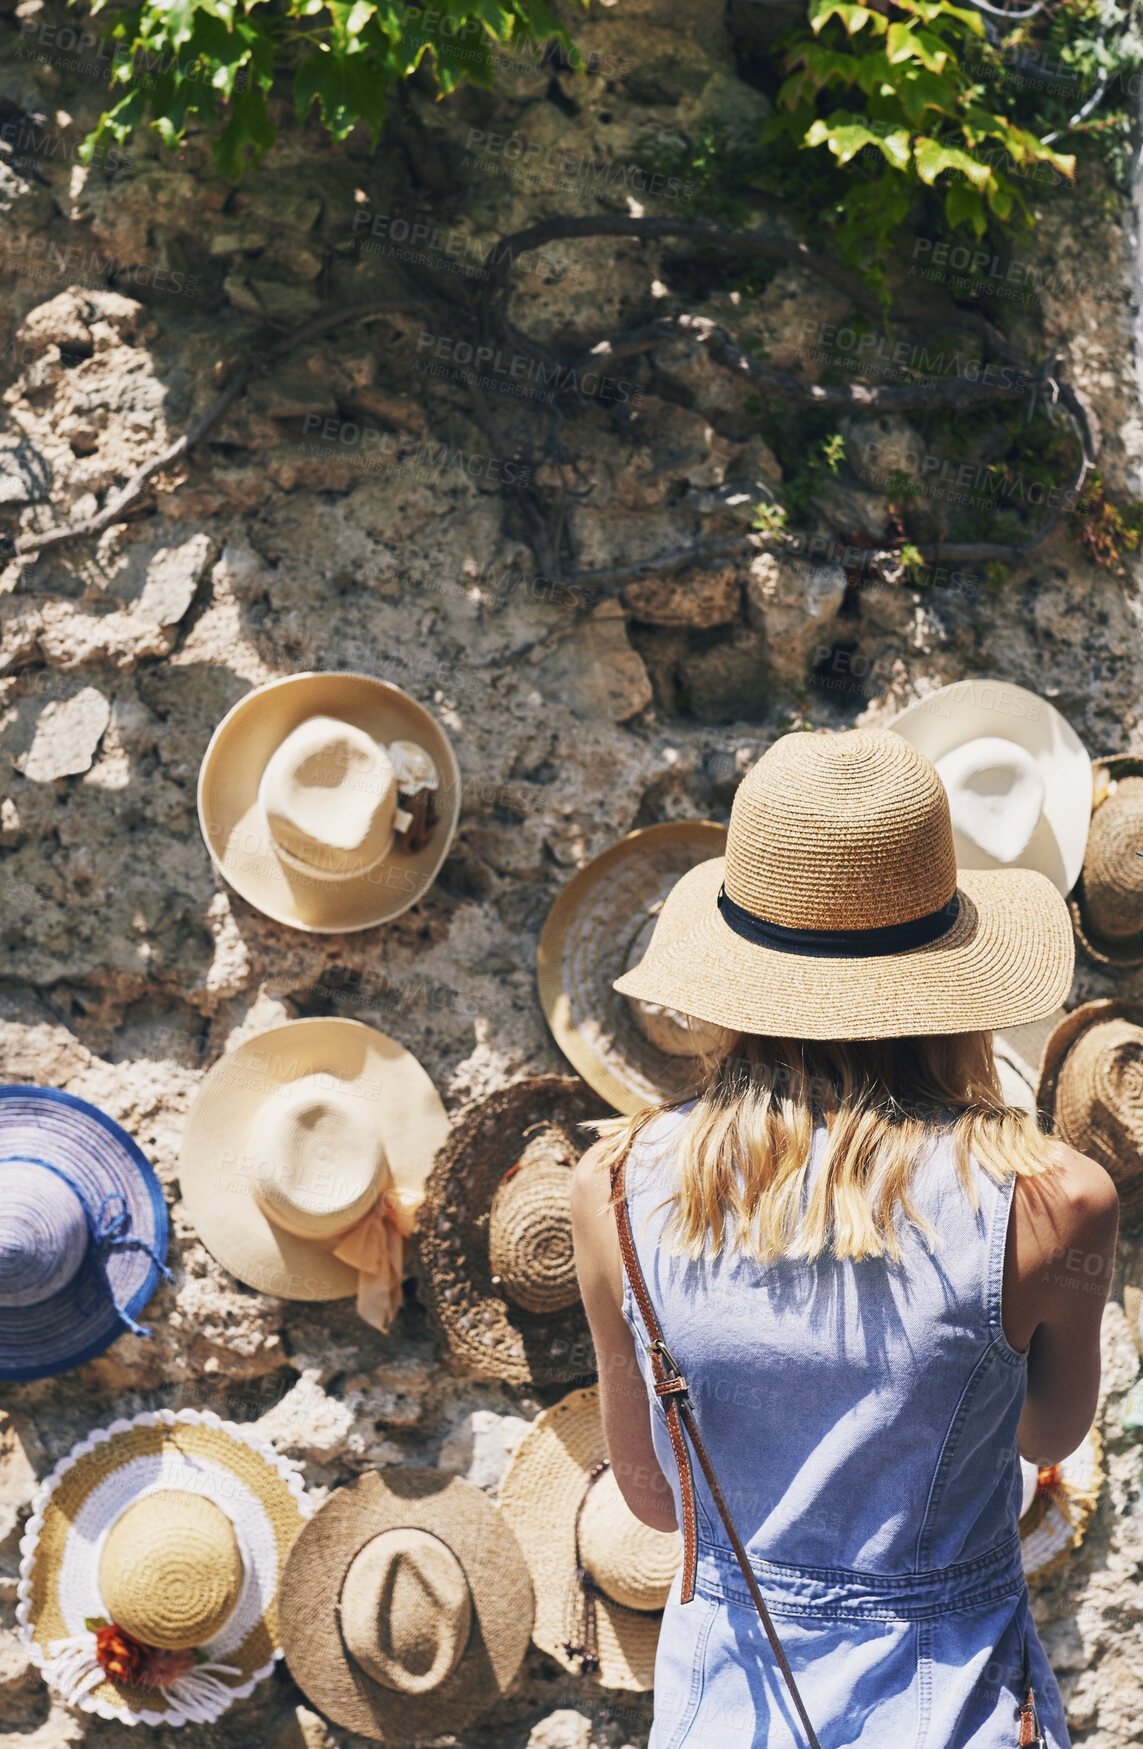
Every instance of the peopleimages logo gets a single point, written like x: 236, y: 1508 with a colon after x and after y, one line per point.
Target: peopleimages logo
x: 515, y: 373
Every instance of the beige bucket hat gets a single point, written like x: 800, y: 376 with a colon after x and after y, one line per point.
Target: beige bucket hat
x: 839, y: 910
x: 498, y: 1272
x: 1018, y: 776
x: 304, y: 1158
x: 406, y: 1605
x: 1107, y: 905
x: 562, y: 1500
x: 1092, y: 1084
x: 329, y: 801
x: 634, y: 1053
x: 1058, y: 1502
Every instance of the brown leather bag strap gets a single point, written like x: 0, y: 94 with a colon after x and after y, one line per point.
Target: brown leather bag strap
x: 671, y: 1390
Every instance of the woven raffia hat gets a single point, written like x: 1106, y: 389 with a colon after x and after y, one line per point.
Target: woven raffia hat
x: 329, y: 801
x: 1107, y: 905
x: 635, y: 1054
x: 562, y: 1500
x: 498, y: 1273
x: 304, y: 1158
x: 1018, y: 776
x: 150, y: 1568
x: 406, y: 1605
x: 1057, y: 1505
x: 1092, y: 1084
x: 83, y: 1232
x: 839, y: 910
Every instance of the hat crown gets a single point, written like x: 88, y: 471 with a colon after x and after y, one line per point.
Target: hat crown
x: 996, y: 794
x: 632, y: 1564
x: 845, y: 830
x: 530, y: 1247
x: 320, y: 1161
x: 329, y: 794
x: 1113, y: 873
x: 406, y: 1610
x: 171, y: 1571
x: 43, y: 1233
x: 1099, y: 1103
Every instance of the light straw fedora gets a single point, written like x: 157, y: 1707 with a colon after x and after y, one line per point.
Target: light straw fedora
x: 329, y: 801
x: 1058, y: 1502
x: 1018, y: 776
x: 406, y: 1605
x: 83, y: 1232
x: 1092, y: 1084
x: 600, y: 1576
x: 839, y: 911
x: 498, y: 1273
x: 634, y: 1054
x: 304, y: 1157
x: 150, y: 1567
x: 1107, y: 905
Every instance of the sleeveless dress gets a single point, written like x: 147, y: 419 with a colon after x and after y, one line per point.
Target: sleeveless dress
x: 861, y: 1419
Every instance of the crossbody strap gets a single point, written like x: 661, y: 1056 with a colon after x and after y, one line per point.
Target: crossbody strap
x: 671, y: 1390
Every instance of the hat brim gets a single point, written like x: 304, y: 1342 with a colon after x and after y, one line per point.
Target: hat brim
x: 1070, y: 1029
x: 100, y: 1160
x: 586, y: 943
x: 1097, y: 947
x: 486, y: 1331
x: 1007, y: 961
x: 235, y: 830
x: 218, y: 1176
x: 468, y: 1523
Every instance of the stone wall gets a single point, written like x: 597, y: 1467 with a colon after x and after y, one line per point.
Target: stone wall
x: 354, y: 508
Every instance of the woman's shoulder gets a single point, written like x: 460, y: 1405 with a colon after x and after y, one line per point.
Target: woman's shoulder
x: 1075, y: 1195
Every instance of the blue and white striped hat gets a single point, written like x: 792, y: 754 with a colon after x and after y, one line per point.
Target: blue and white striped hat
x: 83, y: 1232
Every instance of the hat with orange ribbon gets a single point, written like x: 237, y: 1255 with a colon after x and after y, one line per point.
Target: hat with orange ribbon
x: 304, y: 1160
x: 1058, y: 1502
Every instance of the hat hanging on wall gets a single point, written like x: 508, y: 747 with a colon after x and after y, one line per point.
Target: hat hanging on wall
x: 1018, y: 777
x: 150, y: 1568
x: 406, y: 1605
x: 329, y: 801
x: 634, y: 1053
x: 83, y: 1232
x: 1057, y: 1505
x: 601, y: 1577
x: 304, y: 1158
x: 496, y: 1240
x: 1092, y: 1084
x: 1107, y: 905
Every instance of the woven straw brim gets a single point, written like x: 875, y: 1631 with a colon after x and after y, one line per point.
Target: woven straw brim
x: 1006, y: 961
x: 1128, y: 952
x: 100, y: 1160
x: 539, y: 1497
x: 1056, y: 1522
x: 103, y: 1475
x: 235, y: 830
x: 587, y: 942
x: 1125, y: 1171
x: 467, y: 1522
x: 219, y: 1168
x: 484, y: 1330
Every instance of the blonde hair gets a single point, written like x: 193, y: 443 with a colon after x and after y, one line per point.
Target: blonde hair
x: 743, y: 1151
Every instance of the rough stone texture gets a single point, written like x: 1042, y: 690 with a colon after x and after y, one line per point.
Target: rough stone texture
x: 351, y: 510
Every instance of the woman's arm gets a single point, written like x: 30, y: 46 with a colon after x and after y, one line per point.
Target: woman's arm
x: 623, y: 1392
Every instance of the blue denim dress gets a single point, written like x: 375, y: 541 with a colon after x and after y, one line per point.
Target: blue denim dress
x: 861, y: 1419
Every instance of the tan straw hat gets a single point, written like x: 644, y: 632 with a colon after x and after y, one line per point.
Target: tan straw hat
x: 1018, y: 776
x: 1107, y: 905
x: 329, y: 801
x: 406, y: 1605
x: 635, y: 1054
x: 840, y: 912
x: 563, y: 1502
x: 1058, y: 1502
x: 1092, y: 1084
x: 150, y: 1567
x: 304, y: 1158
x: 498, y: 1272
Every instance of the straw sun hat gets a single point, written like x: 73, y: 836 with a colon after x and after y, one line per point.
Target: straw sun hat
x: 406, y: 1605
x: 83, y: 1232
x: 839, y: 912
x: 304, y: 1158
x: 634, y: 1053
x: 329, y: 801
x: 150, y: 1568
x: 1107, y: 905
x: 1057, y: 1506
x: 1092, y: 1084
x: 496, y: 1240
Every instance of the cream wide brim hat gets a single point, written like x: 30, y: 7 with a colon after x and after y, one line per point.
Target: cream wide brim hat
x: 234, y: 826
x: 971, y: 710
x: 1055, y: 1518
x: 1019, y: 1055
x: 219, y: 1181
x: 598, y: 923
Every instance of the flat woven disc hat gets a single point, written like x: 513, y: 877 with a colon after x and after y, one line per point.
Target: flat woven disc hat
x: 150, y: 1567
x: 406, y: 1605
x: 840, y: 911
x: 329, y: 801
x: 498, y: 1272
x: 83, y: 1232
x: 1092, y: 1084
x: 1018, y: 776
x: 1059, y: 1500
x: 600, y: 1576
x: 304, y: 1158
x: 599, y: 927
x: 1107, y: 905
